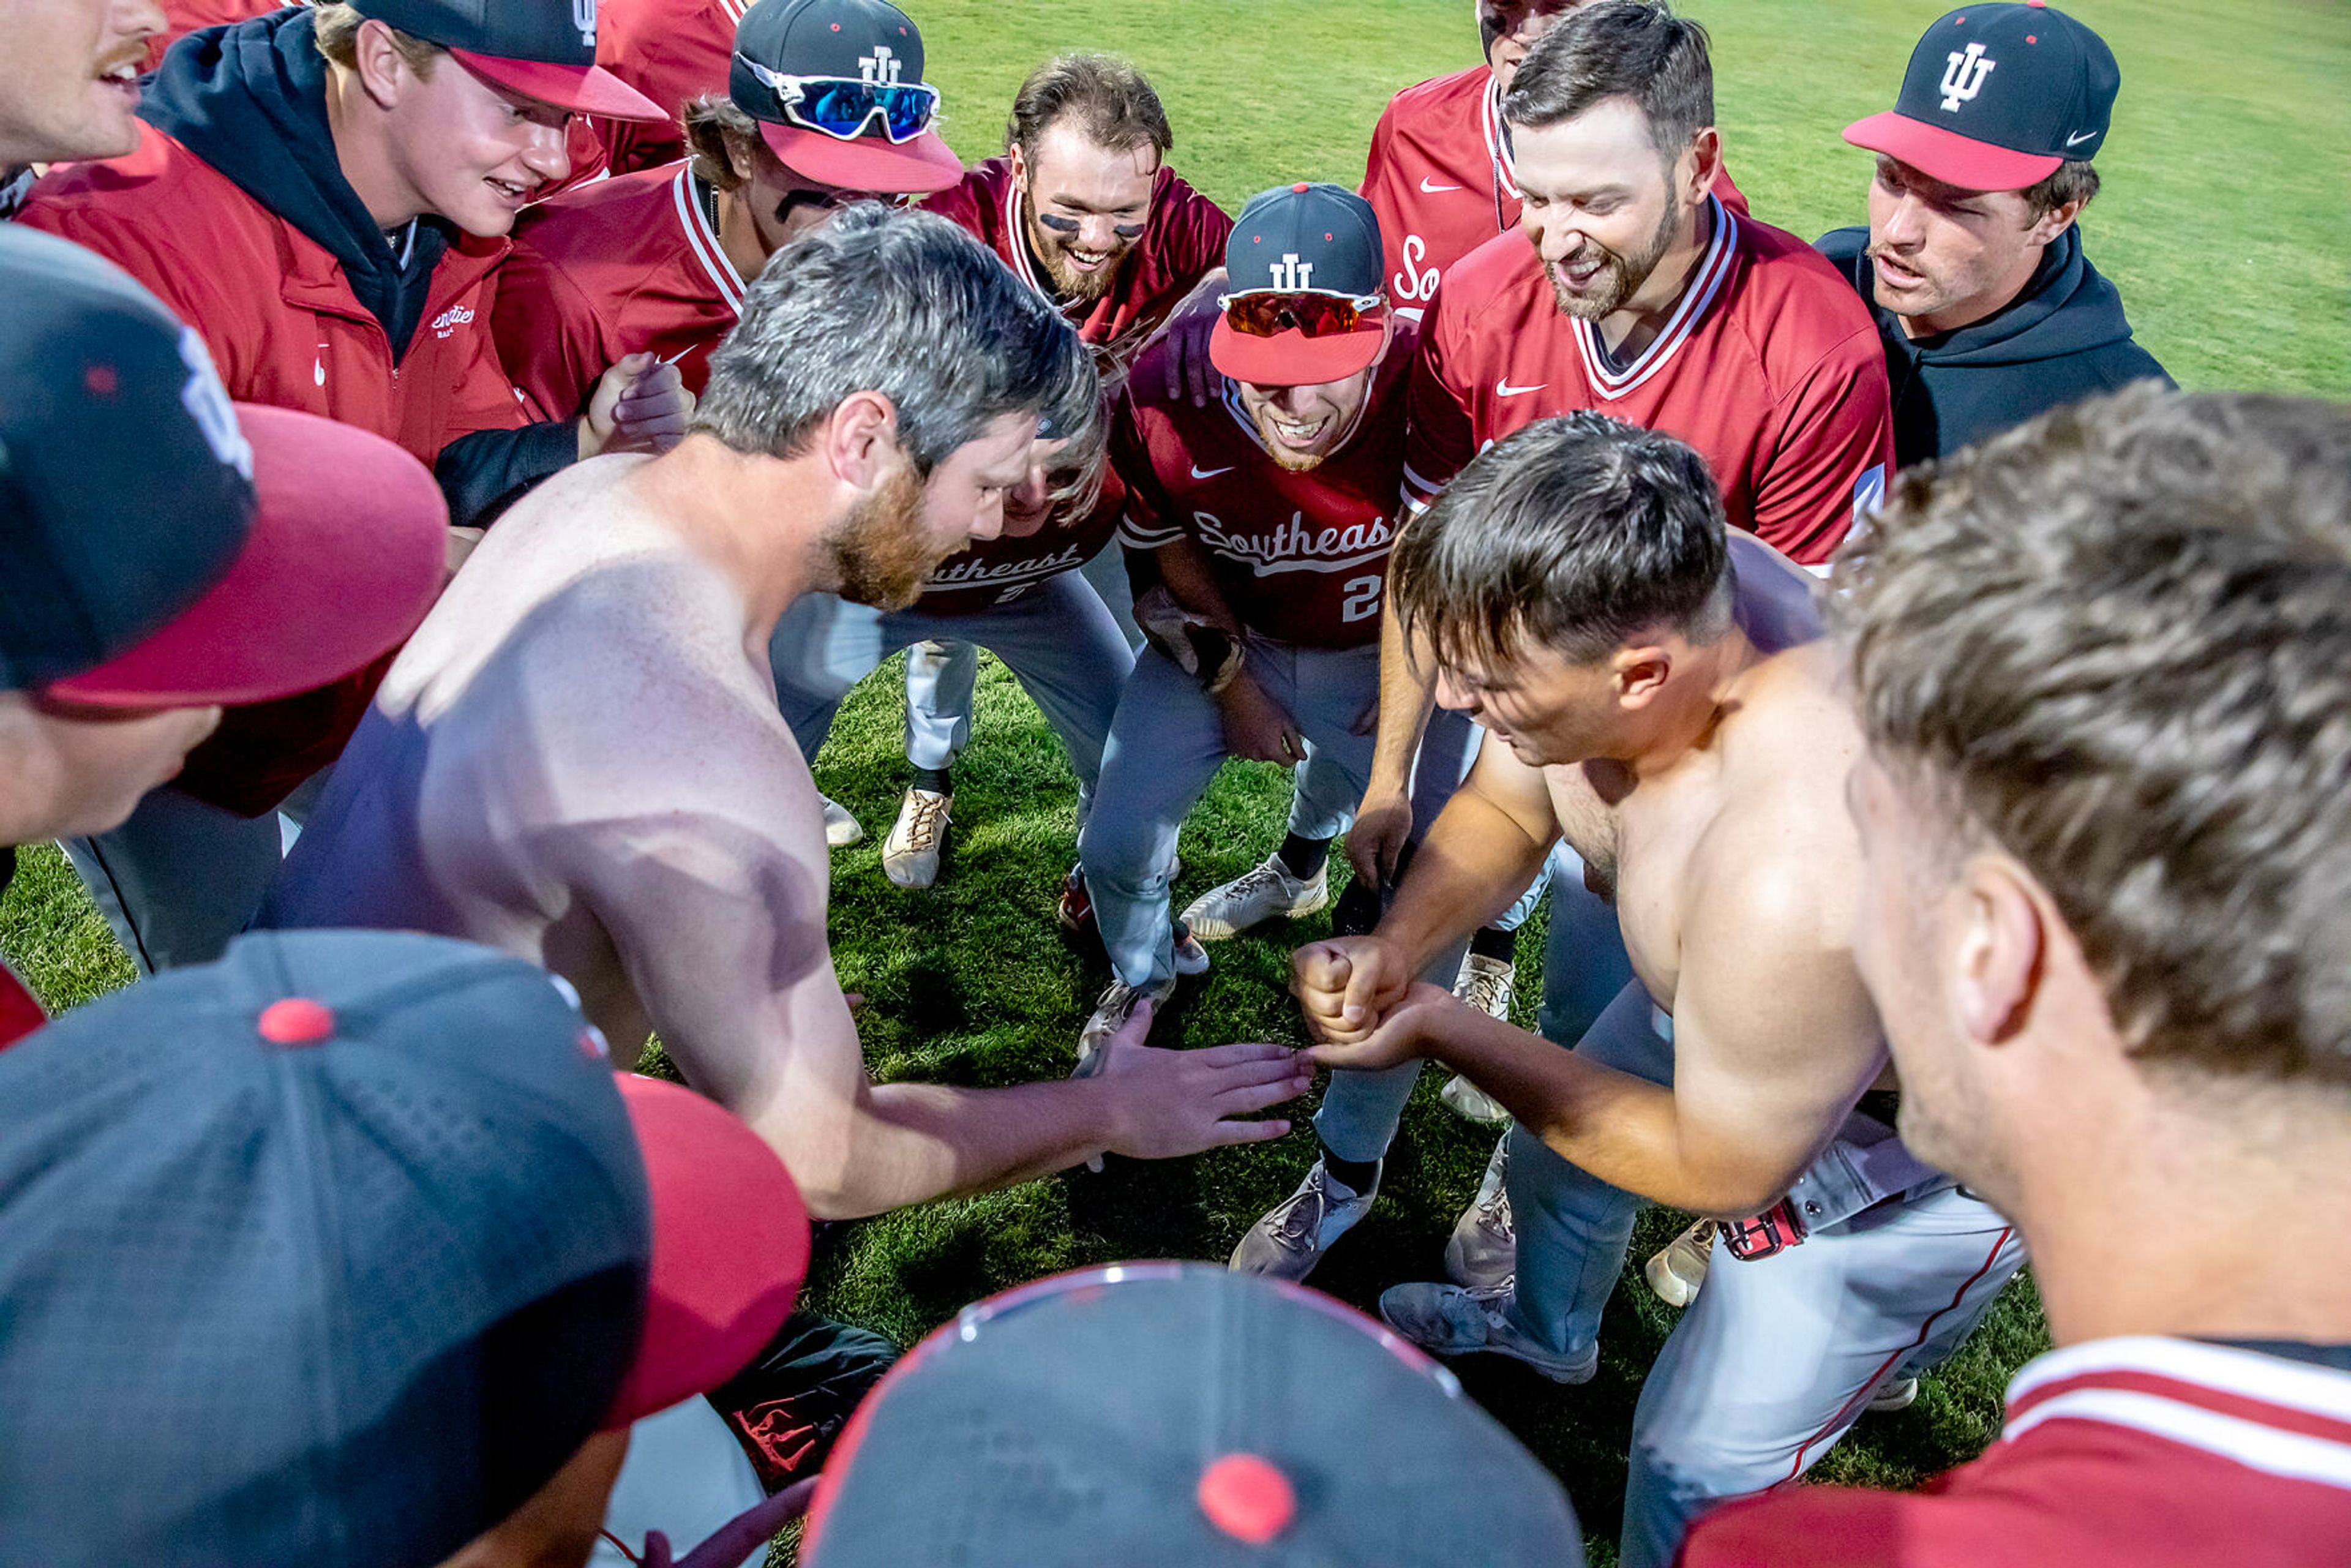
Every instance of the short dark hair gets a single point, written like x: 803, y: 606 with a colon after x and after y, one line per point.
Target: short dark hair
x: 1624, y: 48
x: 1576, y: 533
x: 907, y: 305
x: 2117, y: 642
x: 715, y: 128
x: 1114, y: 104
x: 2075, y: 180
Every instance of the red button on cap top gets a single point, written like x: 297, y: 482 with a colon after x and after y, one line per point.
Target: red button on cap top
x: 297, y: 1020
x: 1300, y: 187
x: 1247, y: 1498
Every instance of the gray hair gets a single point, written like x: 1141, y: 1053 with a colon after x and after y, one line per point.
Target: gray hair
x: 907, y: 305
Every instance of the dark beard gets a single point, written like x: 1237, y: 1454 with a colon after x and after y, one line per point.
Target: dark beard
x: 1073, y: 286
x: 879, y: 549
x: 1625, y: 275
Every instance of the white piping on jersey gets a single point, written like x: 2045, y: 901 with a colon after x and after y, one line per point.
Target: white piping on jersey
x: 2294, y: 1455
x: 705, y: 241
x: 1016, y: 240
x: 1697, y: 295
x: 1506, y: 168
x: 735, y: 8
x: 2224, y: 1369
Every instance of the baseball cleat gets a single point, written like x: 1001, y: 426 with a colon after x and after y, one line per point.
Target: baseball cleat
x: 1898, y: 1395
x: 1191, y: 958
x: 1110, y: 1015
x: 1292, y: 1237
x: 911, y: 856
x: 1485, y: 984
x: 1678, y: 1271
x: 841, y: 828
x: 1447, y: 1320
x: 1255, y: 897
x: 1482, y: 1253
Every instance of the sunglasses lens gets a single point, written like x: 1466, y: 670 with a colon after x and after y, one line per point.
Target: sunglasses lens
x: 1315, y: 315
x: 841, y: 109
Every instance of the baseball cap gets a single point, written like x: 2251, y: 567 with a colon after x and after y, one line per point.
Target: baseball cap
x: 335, y: 1250
x: 544, y: 49
x: 1294, y: 239
x: 160, y: 546
x: 1177, y: 1413
x: 864, y: 41
x: 1997, y: 96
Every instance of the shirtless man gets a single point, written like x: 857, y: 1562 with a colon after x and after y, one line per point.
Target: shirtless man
x: 1667, y: 707
x: 579, y: 757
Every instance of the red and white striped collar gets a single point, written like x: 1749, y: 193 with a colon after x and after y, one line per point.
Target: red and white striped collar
x: 1016, y: 241
x: 1704, y: 282
x: 735, y: 8
x: 695, y: 222
x: 1498, y: 146
x: 2283, y: 1417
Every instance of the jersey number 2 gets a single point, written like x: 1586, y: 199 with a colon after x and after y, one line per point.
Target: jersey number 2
x: 1362, y: 598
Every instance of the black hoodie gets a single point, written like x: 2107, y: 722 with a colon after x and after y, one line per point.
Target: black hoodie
x: 249, y: 98
x: 2061, y: 340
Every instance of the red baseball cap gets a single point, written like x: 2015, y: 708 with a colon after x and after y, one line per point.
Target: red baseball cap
x: 543, y: 49
x: 730, y: 1247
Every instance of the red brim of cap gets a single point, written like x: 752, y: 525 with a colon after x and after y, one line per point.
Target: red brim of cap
x: 584, y: 89
x: 348, y: 551
x: 1294, y: 359
x: 730, y: 1247
x: 1946, y: 155
x: 916, y: 168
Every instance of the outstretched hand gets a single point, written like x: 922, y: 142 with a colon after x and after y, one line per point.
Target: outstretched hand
x: 1166, y: 1104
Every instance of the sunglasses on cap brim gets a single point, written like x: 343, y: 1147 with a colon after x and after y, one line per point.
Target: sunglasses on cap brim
x: 842, y: 106
x: 1269, y: 313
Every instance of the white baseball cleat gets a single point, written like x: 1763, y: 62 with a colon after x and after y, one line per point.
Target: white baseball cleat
x: 1898, y: 1395
x: 1291, y: 1238
x: 1485, y: 984
x: 1110, y: 1015
x: 841, y: 828
x: 1482, y: 1253
x: 911, y: 856
x: 1256, y: 896
x: 1678, y: 1271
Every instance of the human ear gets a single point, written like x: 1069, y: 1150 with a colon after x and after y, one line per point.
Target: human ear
x: 1997, y: 963
x: 861, y: 438
x: 1640, y: 674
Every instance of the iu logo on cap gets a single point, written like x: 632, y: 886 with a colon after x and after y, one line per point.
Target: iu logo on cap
x: 583, y: 16
x: 881, y: 68
x: 1964, y: 76
x: 1290, y: 275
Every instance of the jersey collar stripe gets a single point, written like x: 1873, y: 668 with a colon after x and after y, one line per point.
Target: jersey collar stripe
x: 1016, y: 243
x: 2247, y: 1374
x: 2249, y: 1442
x: 734, y: 8
x: 1712, y: 268
x: 1240, y: 415
x: 1497, y: 151
x: 707, y: 248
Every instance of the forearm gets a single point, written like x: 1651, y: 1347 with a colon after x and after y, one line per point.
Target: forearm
x: 1625, y: 1130
x: 1191, y: 581
x: 1406, y: 698
x: 1475, y: 863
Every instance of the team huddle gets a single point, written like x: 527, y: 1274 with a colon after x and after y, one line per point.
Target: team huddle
x: 458, y: 458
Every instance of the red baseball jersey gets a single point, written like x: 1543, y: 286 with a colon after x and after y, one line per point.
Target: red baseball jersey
x: 1769, y: 366
x: 1300, y: 558
x: 1184, y: 242
x: 670, y: 50
x: 625, y: 265
x: 1000, y: 571
x: 1441, y: 179
x: 2119, y: 1453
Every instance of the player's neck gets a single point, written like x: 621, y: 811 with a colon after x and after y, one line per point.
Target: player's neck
x: 757, y: 518
x: 1631, y: 328
x: 2156, y: 1221
x: 1700, y: 694
x: 739, y: 231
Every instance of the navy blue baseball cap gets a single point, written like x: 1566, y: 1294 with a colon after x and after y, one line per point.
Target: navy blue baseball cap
x: 782, y: 46
x: 161, y: 548
x: 543, y: 49
x: 1177, y: 1413
x: 335, y: 1251
x: 1297, y: 242
x: 1997, y: 96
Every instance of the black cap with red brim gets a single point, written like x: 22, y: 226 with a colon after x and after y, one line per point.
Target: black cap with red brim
x: 159, y: 549
x: 838, y: 40
x: 1997, y: 96
x: 542, y: 49
x: 1301, y: 239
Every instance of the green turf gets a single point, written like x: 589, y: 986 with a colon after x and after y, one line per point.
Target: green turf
x: 2224, y: 223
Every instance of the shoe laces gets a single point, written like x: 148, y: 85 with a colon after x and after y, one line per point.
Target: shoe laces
x: 1487, y: 987
x: 1298, y: 1220
x: 930, y: 812
x: 1261, y: 876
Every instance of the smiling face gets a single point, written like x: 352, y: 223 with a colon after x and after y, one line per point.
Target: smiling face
x: 1509, y: 28
x: 1303, y: 427
x: 1603, y: 206
x: 69, y: 77
x: 473, y: 153
x: 1944, y: 256
x: 1086, y: 206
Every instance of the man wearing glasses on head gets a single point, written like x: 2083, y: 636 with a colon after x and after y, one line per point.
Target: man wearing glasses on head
x: 1267, y: 513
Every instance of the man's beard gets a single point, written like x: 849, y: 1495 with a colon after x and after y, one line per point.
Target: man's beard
x: 1283, y: 457
x: 1069, y: 282
x: 1620, y: 277
x: 879, y: 549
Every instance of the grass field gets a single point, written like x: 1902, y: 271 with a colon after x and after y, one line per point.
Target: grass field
x: 2224, y: 223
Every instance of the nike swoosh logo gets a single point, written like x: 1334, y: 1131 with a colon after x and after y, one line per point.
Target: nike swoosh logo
x: 1428, y: 190
x: 1504, y: 389
x: 1200, y: 472
x: 2077, y: 140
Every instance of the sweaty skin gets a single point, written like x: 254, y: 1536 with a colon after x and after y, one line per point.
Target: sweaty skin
x: 579, y: 759
x: 1735, y: 870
